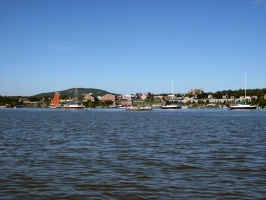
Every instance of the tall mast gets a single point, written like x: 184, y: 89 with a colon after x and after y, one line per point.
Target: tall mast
x: 245, y: 88
x: 76, y: 92
x: 172, y: 88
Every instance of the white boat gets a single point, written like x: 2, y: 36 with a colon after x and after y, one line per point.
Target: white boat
x: 243, y: 105
x: 55, y: 103
x: 172, y: 106
x: 138, y: 108
x: 74, y: 105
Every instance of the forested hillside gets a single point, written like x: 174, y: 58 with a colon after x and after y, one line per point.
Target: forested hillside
x: 71, y: 92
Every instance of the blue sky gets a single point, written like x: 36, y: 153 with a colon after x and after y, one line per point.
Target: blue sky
x: 130, y: 46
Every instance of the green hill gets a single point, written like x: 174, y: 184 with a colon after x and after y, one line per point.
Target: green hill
x: 81, y: 91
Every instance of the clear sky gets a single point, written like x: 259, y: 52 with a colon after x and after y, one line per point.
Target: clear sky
x: 130, y: 46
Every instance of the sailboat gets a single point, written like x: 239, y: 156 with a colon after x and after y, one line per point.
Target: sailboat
x: 243, y: 105
x: 172, y: 106
x: 55, y: 103
x: 74, y: 105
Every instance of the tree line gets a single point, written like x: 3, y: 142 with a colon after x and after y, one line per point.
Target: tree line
x: 12, y: 101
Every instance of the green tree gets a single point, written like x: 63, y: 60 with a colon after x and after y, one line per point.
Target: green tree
x: 108, y: 103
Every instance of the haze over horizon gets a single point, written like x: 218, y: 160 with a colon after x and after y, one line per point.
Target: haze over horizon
x: 131, y: 46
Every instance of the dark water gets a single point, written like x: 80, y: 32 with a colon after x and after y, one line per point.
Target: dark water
x: 114, y: 154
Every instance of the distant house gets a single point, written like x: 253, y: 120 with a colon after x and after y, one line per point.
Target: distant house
x: 89, y: 97
x: 127, y: 103
x: 148, y: 95
x: 225, y: 96
x: 108, y: 97
x: 248, y: 98
x: 119, y: 97
x: 25, y: 101
x: 159, y: 97
x: 254, y: 97
x: 138, y: 95
x: 188, y: 99
x: 128, y: 97
x: 179, y: 98
x: 171, y: 97
x: 217, y: 100
x: 195, y: 91
x: 144, y: 97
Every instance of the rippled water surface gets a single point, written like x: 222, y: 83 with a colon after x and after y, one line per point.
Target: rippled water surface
x: 114, y: 154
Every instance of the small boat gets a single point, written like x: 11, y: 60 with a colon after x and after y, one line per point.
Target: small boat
x: 19, y: 106
x: 55, y: 103
x: 74, y: 105
x: 138, y: 108
x: 242, y: 105
x: 211, y: 105
x: 172, y: 106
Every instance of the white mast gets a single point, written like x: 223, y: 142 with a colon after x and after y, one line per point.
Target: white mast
x: 173, y: 88
x: 76, y: 92
x: 245, y: 88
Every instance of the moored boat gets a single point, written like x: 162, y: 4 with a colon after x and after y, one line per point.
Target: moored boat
x: 242, y: 105
x: 19, y: 106
x: 74, y: 106
x: 172, y: 106
x: 138, y: 108
x: 55, y: 103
